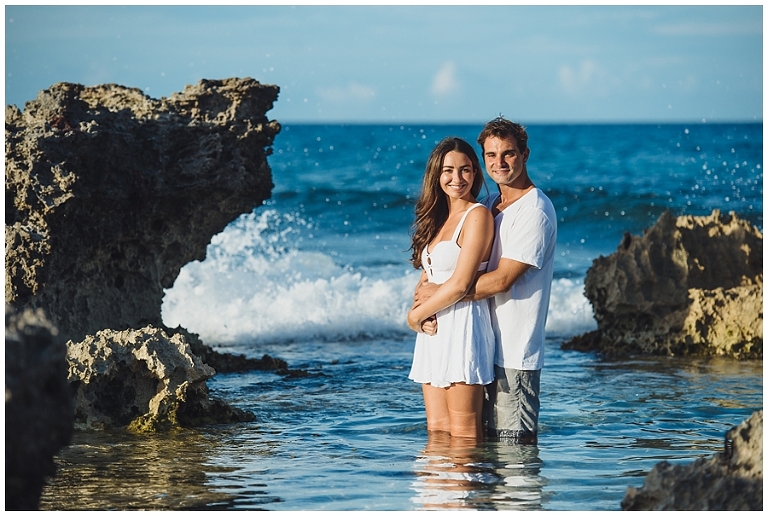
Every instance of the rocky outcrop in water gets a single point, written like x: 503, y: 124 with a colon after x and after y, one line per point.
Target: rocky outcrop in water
x: 227, y: 362
x: 109, y: 193
x: 689, y: 286
x: 38, y: 405
x: 730, y: 481
x: 144, y: 380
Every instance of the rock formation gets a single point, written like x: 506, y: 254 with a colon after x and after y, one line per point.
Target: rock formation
x: 109, y: 193
x: 38, y: 405
x: 143, y: 380
x: 730, y: 481
x: 689, y: 285
x: 229, y: 363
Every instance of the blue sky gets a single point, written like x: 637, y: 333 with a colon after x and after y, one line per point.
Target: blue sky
x: 396, y: 63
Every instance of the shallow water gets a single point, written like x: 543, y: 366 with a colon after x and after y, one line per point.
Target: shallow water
x: 352, y: 435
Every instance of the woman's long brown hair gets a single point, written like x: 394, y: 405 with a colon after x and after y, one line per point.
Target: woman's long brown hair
x: 432, y: 206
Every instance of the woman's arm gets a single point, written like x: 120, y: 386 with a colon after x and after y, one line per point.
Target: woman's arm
x: 475, y: 240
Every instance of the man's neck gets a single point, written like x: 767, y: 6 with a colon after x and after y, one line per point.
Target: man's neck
x: 511, y: 194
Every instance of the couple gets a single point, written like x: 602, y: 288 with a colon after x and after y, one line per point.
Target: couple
x: 481, y: 303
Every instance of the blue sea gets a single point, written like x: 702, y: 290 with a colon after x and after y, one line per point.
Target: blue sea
x: 319, y: 276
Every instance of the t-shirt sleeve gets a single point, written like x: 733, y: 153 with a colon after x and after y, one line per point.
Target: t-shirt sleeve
x: 528, y: 237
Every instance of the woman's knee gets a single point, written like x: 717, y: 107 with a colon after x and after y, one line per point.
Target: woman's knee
x: 465, y: 406
x: 470, y: 427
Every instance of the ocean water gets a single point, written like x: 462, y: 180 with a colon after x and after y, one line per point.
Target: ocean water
x: 319, y: 276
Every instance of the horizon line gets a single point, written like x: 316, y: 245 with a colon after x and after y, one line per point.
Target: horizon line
x: 534, y: 122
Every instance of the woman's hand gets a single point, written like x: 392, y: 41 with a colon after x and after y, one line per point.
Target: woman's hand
x: 429, y: 326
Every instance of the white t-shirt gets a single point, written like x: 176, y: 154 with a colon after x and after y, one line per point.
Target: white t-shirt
x: 526, y: 231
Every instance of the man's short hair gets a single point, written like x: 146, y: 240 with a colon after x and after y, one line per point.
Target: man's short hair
x: 504, y: 129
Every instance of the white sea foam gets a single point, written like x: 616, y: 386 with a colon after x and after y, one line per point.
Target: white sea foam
x: 256, y: 286
x: 569, y: 311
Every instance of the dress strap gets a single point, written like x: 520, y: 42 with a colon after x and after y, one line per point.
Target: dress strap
x: 460, y: 225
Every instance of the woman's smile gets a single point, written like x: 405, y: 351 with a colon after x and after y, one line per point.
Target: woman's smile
x: 457, y: 175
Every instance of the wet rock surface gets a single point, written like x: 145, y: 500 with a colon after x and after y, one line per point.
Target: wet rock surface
x: 110, y: 192
x: 730, y: 481
x: 689, y: 286
x: 228, y: 362
x: 38, y: 405
x: 142, y: 380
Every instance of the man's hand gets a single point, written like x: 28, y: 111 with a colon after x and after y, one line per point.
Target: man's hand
x: 424, y: 290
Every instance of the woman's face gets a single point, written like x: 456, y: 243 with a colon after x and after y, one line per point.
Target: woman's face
x: 457, y: 175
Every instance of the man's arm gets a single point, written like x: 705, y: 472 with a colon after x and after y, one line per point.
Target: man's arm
x: 487, y: 285
x: 498, y: 280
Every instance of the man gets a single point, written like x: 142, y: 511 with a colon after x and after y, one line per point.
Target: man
x: 518, y: 282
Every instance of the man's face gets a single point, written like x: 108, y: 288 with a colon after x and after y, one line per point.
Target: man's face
x: 504, y: 161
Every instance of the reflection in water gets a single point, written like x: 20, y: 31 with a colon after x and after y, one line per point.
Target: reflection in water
x: 105, y: 471
x: 455, y: 473
x: 354, y: 438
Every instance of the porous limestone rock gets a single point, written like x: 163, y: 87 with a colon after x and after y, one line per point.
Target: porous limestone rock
x: 691, y: 285
x: 38, y: 405
x: 228, y: 362
x: 110, y: 192
x: 730, y: 481
x: 142, y: 380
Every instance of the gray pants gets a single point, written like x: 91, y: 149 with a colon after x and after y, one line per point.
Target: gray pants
x: 511, y: 407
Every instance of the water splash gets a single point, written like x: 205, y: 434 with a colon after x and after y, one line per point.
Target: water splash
x: 257, y: 285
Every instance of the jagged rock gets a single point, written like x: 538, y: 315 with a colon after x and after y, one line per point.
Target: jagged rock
x: 726, y: 322
x: 142, y: 380
x: 38, y: 405
x: 730, y: 481
x: 227, y: 362
x: 689, y: 285
x: 109, y: 193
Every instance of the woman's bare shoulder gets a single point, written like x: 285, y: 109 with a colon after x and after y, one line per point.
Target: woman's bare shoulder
x: 480, y: 213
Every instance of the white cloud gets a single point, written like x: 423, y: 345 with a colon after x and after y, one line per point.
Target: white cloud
x: 445, y: 81
x: 588, y: 77
x: 352, y: 92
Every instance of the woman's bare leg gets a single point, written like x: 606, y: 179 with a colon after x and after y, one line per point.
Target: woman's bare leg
x: 465, y: 407
x: 438, y: 419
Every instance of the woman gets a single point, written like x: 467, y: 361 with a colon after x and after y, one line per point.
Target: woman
x: 451, y: 242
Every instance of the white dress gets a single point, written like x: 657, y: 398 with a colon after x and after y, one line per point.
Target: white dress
x: 462, y: 349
